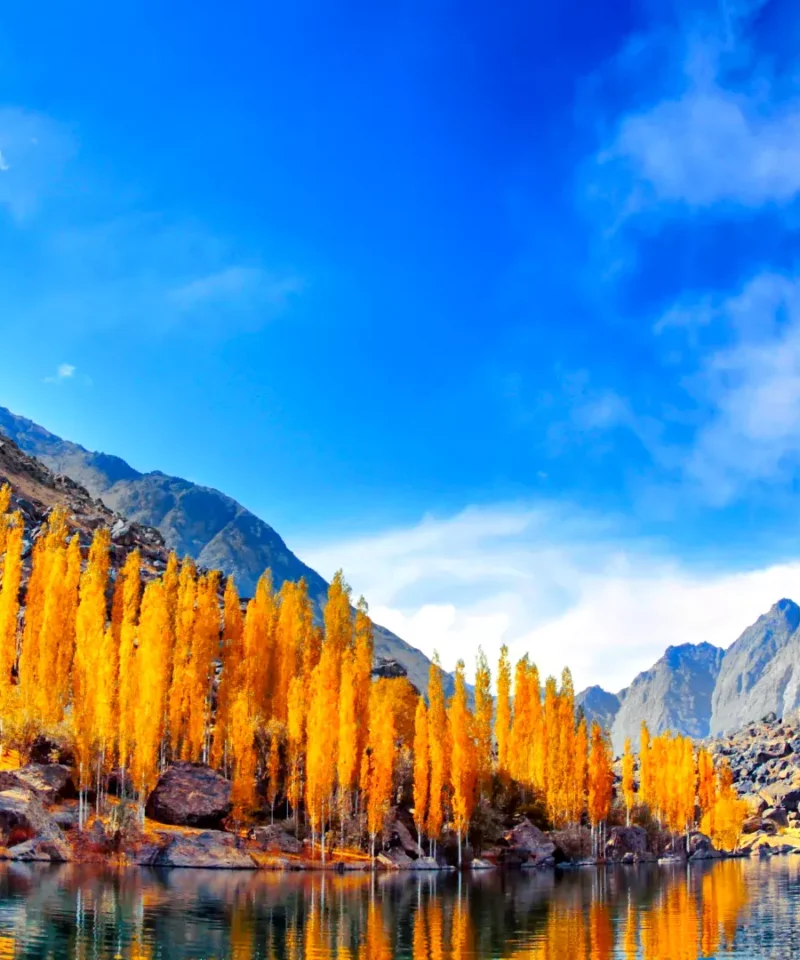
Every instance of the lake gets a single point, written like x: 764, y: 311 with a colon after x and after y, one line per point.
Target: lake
x: 734, y: 908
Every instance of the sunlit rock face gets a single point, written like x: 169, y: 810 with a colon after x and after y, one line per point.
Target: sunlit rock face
x: 760, y: 672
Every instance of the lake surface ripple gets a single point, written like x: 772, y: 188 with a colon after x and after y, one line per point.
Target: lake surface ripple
x: 737, y: 908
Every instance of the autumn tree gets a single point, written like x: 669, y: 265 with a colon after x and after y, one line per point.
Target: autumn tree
x: 12, y: 533
x: 484, y: 710
x: 131, y: 593
x: 463, y: 761
x: 600, y: 781
x: 627, y: 779
x: 422, y: 772
x: 437, y: 746
x: 381, y: 750
x: 502, y: 726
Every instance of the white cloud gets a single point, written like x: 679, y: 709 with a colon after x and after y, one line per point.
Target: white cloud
x: 724, y: 129
x: 750, y: 389
x: 549, y: 581
x: 4, y: 164
x: 65, y: 371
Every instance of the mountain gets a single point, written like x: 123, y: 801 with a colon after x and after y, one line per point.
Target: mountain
x: 674, y: 694
x: 598, y: 704
x: 194, y: 520
x: 761, y: 671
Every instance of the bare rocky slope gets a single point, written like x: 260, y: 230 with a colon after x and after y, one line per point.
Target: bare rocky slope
x: 760, y: 673
x: 193, y: 520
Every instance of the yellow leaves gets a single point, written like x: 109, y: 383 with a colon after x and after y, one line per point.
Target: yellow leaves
x: 131, y: 592
x: 669, y: 778
x: 628, y: 791
x: 381, y: 751
x: 723, y: 820
x: 347, y: 767
x: 463, y: 761
x: 438, y: 739
x: 152, y: 657
x: 422, y: 772
x: 502, y: 727
x: 600, y: 776
x: 13, y: 532
x: 484, y: 708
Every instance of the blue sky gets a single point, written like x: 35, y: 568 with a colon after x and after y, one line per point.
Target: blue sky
x: 499, y: 308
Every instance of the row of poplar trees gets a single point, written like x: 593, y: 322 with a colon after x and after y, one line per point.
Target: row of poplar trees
x: 141, y: 670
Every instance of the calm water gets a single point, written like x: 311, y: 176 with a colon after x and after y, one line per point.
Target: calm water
x: 734, y: 909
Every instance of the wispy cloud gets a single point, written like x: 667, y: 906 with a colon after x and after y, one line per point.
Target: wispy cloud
x: 65, y: 371
x: 721, y: 127
x: 245, y: 285
x: 34, y: 150
x: 548, y: 580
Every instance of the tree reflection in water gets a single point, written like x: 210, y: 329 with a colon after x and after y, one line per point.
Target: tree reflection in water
x: 644, y: 913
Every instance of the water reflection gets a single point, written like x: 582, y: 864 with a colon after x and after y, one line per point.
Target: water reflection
x: 730, y: 909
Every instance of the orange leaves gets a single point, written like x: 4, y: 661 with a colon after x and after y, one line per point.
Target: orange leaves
x: 600, y: 776
x: 484, y: 708
x: 422, y: 772
x: 628, y: 791
x: 502, y: 726
x: 152, y: 657
x: 669, y: 779
x: 381, y: 753
x: 463, y: 760
x: 12, y: 534
x: 438, y: 738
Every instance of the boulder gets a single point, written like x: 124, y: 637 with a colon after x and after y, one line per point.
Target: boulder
x: 756, y: 824
x: 22, y: 813
x: 211, y: 849
x: 395, y: 859
x: 50, y: 782
x: 777, y: 815
x: 28, y: 831
x: 275, y: 839
x: 528, y: 845
x: 701, y: 847
x: 426, y: 863
x: 781, y: 794
x: 190, y: 795
x: 626, y: 840
x: 47, y: 850
x: 397, y: 834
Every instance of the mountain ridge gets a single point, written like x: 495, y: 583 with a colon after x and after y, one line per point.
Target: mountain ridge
x: 195, y: 520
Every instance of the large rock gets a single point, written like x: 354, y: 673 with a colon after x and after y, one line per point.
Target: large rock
x: 28, y: 831
x: 528, y: 845
x: 190, y: 795
x: 397, y: 835
x: 760, y: 672
x: 275, y: 839
x: 701, y: 847
x: 211, y: 849
x: 782, y: 794
x: 778, y: 816
x: 49, y: 781
x: 624, y: 841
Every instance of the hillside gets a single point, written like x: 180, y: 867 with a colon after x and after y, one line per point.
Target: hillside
x: 195, y: 521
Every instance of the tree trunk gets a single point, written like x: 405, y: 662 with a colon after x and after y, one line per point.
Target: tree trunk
x: 459, y: 848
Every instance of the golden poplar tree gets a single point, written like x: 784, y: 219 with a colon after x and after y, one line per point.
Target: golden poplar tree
x: 484, y: 710
x: 600, y: 778
x: 502, y: 726
x: 128, y: 692
x: 321, y: 740
x: 521, y: 734
x: 463, y: 760
x: 204, y: 650
x: 151, y: 685
x: 242, y: 733
x: 363, y: 652
x: 232, y: 655
x: 90, y: 628
x: 437, y: 745
x: 381, y: 750
x: 185, y: 612
x: 13, y: 532
x: 422, y: 771
x: 347, y: 740
x: 645, y: 768
x: 628, y: 791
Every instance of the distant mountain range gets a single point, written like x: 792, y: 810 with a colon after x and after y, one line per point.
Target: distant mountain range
x: 695, y: 689
x: 701, y: 690
x: 195, y: 521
